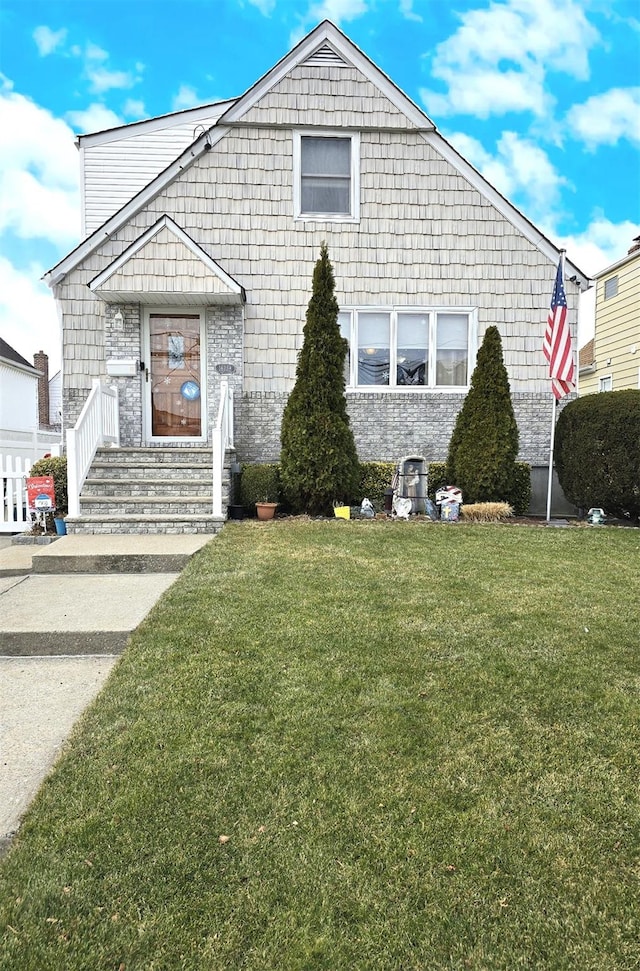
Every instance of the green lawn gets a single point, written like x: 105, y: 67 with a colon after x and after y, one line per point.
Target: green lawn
x: 420, y: 743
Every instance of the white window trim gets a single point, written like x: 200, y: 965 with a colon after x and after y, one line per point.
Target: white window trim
x: 354, y: 215
x: 431, y: 312
x: 605, y: 377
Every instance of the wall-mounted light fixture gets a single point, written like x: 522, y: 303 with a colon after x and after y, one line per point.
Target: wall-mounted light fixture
x: 118, y: 319
x: 200, y: 130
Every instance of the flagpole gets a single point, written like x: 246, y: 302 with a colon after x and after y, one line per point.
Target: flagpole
x: 550, y: 476
x: 553, y: 412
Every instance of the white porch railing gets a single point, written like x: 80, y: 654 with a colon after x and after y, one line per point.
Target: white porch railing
x: 19, y: 450
x: 222, y: 440
x: 97, y: 425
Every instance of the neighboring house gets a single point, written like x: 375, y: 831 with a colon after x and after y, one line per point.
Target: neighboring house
x: 18, y: 393
x: 23, y: 437
x: 611, y: 361
x: 205, y: 274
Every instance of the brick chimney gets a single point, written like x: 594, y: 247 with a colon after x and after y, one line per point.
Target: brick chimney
x: 41, y: 363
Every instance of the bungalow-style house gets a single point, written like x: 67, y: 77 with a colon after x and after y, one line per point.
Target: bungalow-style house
x: 188, y: 298
x: 611, y: 360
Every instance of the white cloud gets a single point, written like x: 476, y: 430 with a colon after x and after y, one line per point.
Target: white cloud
x: 28, y: 317
x: 497, y: 59
x: 185, y: 98
x: 33, y: 210
x: 337, y: 10
x: 606, y: 118
x: 38, y: 172
x: 48, y: 40
x: 97, y: 117
x: 600, y: 244
x: 101, y: 79
x: 407, y: 11
x: 94, y: 53
x: 488, y: 92
x: 133, y: 108
x: 39, y: 203
x: 266, y: 7
x: 519, y: 169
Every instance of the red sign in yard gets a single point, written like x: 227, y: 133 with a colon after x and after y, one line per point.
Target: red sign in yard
x: 40, y: 493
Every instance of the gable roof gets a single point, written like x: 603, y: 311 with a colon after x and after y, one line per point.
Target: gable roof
x: 10, y: 356
x: 200, y: 113
x: 194, y: 279
x: 325, y: 44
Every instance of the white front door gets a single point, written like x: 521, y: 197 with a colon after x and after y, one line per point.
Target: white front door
x: 174, y: 377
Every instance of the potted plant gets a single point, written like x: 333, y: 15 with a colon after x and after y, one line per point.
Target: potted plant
x: 260, y: 489
x: 266, y: 509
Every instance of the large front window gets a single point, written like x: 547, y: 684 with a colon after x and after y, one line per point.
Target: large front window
x: 408, y: 348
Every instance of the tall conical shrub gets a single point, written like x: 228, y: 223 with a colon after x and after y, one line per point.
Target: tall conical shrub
x: 318, y: 460
x: 484, y: 444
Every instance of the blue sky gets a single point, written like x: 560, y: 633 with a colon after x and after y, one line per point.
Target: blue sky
x: 542, y: 96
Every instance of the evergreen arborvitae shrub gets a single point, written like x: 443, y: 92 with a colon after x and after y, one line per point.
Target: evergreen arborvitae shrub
x: 484, y: 445
x: 597, y: 452
x: 318, y: 461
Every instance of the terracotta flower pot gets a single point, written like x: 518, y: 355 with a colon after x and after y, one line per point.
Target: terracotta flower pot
x: 266, y: 510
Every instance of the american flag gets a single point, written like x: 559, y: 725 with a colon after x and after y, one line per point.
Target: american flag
x: 557, y: 341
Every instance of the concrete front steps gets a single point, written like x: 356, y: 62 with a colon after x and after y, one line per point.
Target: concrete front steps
x: 150, y: 490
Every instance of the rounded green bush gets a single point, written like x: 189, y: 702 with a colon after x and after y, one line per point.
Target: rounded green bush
x: 597, y: 452
x: 57, y: 467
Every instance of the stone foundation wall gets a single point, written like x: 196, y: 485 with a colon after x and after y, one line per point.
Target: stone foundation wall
x: 388, y: 426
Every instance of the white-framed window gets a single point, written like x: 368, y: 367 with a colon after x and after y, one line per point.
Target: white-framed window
x: 611, y: 287
x: 409, y: 348
x: 606, y: 383
x: 326, y: 175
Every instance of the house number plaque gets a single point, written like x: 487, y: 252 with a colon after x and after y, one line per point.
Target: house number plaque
x: 225, y: 369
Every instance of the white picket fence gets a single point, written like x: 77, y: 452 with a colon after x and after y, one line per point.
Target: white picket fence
x: 17, y: 455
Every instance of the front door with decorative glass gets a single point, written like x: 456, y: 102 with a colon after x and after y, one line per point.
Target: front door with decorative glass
x: 173, y: 377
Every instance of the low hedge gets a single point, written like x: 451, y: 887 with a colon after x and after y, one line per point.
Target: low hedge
x: 263, y: 481
x: 55, y: 466
x: 375, y: 477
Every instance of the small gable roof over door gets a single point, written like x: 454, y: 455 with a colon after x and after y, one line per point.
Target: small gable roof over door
x: 165, y: 266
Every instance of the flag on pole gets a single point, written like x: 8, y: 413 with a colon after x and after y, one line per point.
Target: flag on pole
x: 557, y: 340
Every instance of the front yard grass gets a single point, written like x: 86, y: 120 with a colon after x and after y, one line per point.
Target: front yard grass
x: 354, y: 746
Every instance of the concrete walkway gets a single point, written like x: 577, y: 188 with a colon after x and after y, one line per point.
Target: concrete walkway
x: 66, y: 612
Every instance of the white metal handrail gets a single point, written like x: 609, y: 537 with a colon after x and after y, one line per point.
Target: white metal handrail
x: 97, y: 425
x: 222, y: 440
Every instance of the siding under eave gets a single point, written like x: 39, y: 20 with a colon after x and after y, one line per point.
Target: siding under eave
x: 115, y: 171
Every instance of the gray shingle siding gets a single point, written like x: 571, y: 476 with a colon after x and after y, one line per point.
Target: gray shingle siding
x: 426, y: 237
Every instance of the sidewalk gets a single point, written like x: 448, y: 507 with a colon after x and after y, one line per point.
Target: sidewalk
x: 66, y: 612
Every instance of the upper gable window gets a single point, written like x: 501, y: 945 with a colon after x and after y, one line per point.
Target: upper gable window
x: 326, y: 175
x: 611, y: 287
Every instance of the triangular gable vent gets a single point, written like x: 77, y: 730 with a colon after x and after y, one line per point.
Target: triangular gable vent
x: 325, y: 55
